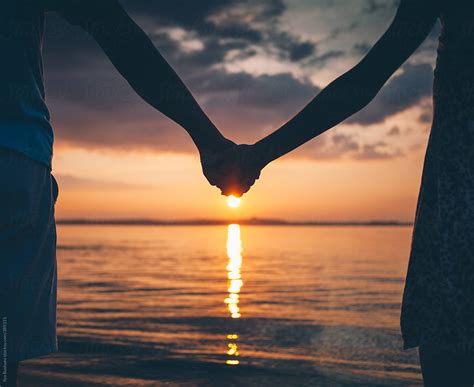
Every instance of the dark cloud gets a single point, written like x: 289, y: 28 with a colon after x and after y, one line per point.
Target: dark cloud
x: 262, y: 92
x: 254, y: 22
x: 331, y: 146
x: 402, y: 91
x: 266, y: 100
x: 374, y: 6
x: 82, y: 84
x: 293, y: 48
x: 341, y: 145
x: 336, y: 32
x: 426, y: 118
x: 93, y: 106
x: 394, y: 132
x: 320, y: 61
x: 361, y: 48
x: 345, y: 143
x: 377, y: 151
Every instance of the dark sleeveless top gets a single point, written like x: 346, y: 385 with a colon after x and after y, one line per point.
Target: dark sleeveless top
x: 24, y: 118
x: 438, y: 303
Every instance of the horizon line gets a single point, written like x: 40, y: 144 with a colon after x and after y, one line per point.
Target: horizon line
x: 225, y: 222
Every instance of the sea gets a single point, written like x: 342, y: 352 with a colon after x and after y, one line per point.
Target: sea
x: 229, y: 305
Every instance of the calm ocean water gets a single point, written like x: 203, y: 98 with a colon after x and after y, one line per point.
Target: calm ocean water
x: 215, y: 305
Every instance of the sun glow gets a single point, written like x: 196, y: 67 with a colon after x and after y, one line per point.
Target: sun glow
x: 233, y: 202
x: 234, y: 252
x: 234, y: 286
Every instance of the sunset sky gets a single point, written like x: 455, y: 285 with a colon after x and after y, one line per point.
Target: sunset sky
x: 252, y: 65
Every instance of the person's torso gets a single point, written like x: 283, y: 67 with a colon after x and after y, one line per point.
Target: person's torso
x: 454, y: 74
x: 24, y: 117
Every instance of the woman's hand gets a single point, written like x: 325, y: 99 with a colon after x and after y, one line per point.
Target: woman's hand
x: 212, y: 159
x: 234, y: 169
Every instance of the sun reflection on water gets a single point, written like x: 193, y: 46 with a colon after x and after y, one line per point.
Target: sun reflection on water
x: 234, y: 276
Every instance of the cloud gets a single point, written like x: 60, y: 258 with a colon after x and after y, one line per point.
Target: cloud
x: 377, y: 151
x: 345, y: 143
x: 98, y: 108
x: 70, y: 182
x: 361, y: 49
x: 93, y: 107
x: 426, y: 117
x: 394, y: 131
x: 291, y: 47
x: 272, y: 92
x: 374, y: 6
x: 403, y: 91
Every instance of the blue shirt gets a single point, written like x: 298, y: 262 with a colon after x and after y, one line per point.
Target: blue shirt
x: 24, y: 117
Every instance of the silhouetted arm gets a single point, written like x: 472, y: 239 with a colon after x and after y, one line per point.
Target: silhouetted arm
x: 354, y: 90
x: 140, y: 63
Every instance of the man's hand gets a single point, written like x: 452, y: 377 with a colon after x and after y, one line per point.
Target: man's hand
x: 234, y: 169
x: 212, y: 159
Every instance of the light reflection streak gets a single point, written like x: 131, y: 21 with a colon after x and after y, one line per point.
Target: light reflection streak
x: 235, y: 283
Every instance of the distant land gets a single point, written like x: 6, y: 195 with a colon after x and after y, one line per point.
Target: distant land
x: 225, y: 222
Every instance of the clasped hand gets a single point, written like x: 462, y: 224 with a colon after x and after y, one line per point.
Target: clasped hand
x: 232, y: 168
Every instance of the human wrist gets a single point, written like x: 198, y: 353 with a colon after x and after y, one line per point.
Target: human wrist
x: 206, y: 136
x: 263, y: 153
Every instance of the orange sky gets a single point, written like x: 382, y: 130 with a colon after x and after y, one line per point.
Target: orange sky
x: 119, y: 184
x: 117, y: 158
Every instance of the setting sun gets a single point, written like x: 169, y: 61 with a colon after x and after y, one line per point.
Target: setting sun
x: 233, y: 202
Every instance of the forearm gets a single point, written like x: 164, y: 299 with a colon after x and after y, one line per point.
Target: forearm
x: 341, y: 99
x: 355, y: 89
x: 150, y: 75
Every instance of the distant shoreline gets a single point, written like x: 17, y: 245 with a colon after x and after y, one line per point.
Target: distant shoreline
x: 225, y: 222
